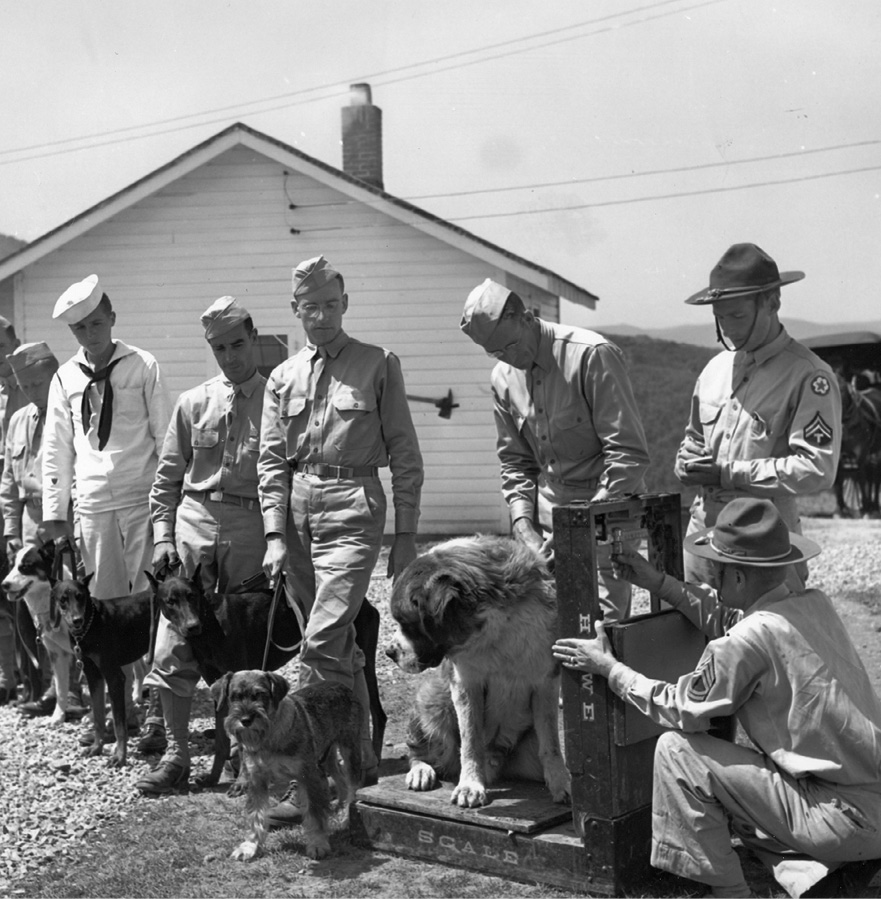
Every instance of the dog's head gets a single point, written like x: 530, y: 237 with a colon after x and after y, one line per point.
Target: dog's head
x: 436, y: 603
x: 180, y: 601
x: 250, y: 700
x: 32, y: 564
x: 73, y: 601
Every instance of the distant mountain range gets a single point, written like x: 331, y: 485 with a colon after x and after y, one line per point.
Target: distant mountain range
x: 705, y: 334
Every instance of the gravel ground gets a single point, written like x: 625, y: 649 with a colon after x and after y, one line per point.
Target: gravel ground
x: 51, y: 798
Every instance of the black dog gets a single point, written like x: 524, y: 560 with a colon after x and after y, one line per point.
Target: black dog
x: 106, y: 634
x: 227, y: 632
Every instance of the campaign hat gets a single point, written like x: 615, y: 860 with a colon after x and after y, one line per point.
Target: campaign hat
x: 750, y: 531
x: 743, y: 271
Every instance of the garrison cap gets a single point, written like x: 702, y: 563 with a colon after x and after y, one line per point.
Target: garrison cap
x: 311, y: 276
x: 222, y: 316
x: 29, y: 354
x: 744, y: 270
x: 79, y: 300
x: 483, y: 309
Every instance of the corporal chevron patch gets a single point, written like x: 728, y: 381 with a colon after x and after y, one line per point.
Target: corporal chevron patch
x: 817, y: 432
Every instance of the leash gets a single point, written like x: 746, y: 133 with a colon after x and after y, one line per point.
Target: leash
x: 64, y: 546
x: 277, y: 594
x: 160, y: 573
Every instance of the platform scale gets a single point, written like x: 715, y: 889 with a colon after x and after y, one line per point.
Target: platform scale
x: 599, y: 846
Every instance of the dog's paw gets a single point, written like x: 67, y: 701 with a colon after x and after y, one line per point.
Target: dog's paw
x: 318, y: 848
x: 246, y: 851
x: 560, y: 786
x: 421, y: 777
x: 57, y: 718
x: 237, y: 789
x: 116, y: 761
x: 469, y: 795
x: 94, y: 750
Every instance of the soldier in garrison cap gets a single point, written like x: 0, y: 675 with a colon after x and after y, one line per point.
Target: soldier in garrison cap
x: 205, y: 512
x: 335, y: 413
x: 21, y: 499
x: 106, y: 418
x: 567, y: 422
x: 806, y: 792
x: 765, y: 417
x: 12, y: 653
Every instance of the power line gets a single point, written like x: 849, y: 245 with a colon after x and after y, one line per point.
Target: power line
x: 670, y: 196
x: 333, y: 86
x: 627, y: 175
x: 305, y: 229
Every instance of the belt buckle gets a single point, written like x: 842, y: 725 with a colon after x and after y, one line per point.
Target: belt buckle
x: 216, y: 496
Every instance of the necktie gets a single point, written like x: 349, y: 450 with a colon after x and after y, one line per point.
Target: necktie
x: 105, y: 420
x: 318, y: 361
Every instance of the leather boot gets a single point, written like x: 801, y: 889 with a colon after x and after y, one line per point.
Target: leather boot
x: 173, y: 772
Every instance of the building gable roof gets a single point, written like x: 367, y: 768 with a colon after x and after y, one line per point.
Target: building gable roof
x: 243, y: 135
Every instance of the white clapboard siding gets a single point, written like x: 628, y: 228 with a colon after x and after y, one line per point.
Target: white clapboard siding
x: 226, y: 228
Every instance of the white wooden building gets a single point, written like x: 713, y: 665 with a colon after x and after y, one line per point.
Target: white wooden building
x: 232, y: 216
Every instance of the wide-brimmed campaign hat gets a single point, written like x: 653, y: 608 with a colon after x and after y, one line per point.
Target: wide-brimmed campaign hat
x: 744, y: 270
x: 751, y: 532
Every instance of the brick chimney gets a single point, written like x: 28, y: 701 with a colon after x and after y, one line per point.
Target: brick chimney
x: 362, y: 136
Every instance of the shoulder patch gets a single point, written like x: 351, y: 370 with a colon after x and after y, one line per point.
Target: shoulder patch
x: 703, y: 680
x: 820, y: 385
x: 817, y: 432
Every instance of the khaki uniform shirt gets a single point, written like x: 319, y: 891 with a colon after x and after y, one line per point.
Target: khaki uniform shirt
x: 348, y: 409
x: 571, y: 418
x: 22, y: 478
x: 120, y: 475
x: 787, y: 670
x: 770, y: 419
x: 212, y: 443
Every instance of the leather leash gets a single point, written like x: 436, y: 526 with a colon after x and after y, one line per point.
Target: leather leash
x: 277, y: 595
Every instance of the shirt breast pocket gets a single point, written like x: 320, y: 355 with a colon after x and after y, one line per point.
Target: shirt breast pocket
x: 18, y: 462
x: 351, y: 402
x: 293, y: 405
x: 709, y: 415
x: 205, y: 438
x: 128, y: 404
x: 573, y: 431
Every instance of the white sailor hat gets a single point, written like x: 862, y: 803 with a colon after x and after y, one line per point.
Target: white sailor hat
x: 79, y: 300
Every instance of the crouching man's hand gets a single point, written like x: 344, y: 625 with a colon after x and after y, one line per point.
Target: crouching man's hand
x: 594, y: 656
x: 629, y: 565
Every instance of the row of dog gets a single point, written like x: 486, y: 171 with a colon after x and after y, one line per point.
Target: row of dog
x: 477, y: 615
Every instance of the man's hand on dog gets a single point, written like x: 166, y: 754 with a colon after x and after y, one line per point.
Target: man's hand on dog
x: 629, y: 565
x: 593, y: 656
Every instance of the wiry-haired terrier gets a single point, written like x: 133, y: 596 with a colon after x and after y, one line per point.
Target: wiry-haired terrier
x: 302, y: 736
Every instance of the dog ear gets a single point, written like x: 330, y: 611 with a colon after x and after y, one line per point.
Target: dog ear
x: 197, y: 578
x: 220, y: 693
x: 54, y: 612
x: 154, y: 584
x: 85, y: 581
x: 278, y: 686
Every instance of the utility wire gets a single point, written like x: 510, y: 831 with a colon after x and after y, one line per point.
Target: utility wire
x: 336, y: 91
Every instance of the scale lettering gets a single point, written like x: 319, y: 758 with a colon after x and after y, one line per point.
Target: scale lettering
x: 464, y: 847
x: 587, y: 711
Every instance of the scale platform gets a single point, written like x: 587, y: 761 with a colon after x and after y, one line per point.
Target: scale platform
x: 521, y: 834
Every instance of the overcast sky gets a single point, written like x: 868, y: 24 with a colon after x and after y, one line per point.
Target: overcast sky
x: 624, y: 144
